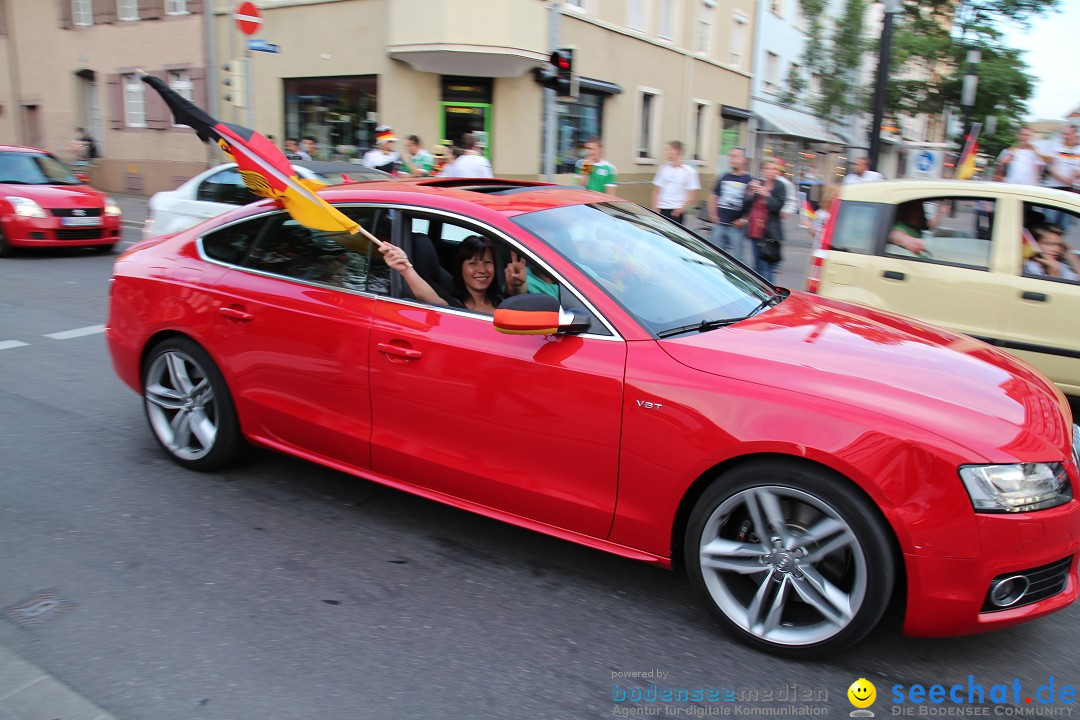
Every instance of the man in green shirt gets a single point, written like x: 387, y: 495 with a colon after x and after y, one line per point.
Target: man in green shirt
x: 420, y: 162
x: 594, y: 173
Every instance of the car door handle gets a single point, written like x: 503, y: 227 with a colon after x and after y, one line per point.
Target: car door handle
x: 400, y: 351
x: 234, y: 312
x: 1037, y: 297
x: 893, y: 275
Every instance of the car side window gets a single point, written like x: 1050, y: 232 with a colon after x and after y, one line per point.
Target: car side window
x: 433, y: 249
x: 231, y: 244
x: 289, y: 249
x: 1051, y: 240
x: 226, y: 186
x: 943, y: 230
x: 857, y: 226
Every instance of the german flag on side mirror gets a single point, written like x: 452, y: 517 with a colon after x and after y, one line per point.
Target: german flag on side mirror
x: 534, y: 314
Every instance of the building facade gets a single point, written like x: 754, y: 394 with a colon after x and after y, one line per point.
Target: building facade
x: 650, y: 71
x: 72, y: 63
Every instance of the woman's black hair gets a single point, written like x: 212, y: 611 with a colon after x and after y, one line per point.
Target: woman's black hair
x: 474, y: 246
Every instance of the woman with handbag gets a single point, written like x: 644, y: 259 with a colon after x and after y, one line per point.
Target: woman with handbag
x: 761, y: 209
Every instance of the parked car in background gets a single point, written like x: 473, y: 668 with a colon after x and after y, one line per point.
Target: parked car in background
x: 978, y: 273
x: 221, y: 188
x: 637, y: 391
x: 43, y: 203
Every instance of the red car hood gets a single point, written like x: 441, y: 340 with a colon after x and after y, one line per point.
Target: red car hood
x: 943, y: 382
x: 57, y: 196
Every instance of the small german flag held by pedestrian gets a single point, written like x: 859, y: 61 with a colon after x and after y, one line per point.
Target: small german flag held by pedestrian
x: 265, y: 169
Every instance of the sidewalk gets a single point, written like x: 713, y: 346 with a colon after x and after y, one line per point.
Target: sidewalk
x: 28, y: 693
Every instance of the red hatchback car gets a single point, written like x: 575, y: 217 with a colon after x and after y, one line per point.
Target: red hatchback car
x: 43, y: 204
x: 800, y: 457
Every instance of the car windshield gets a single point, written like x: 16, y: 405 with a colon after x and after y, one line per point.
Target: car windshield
x: 669, y: 279
x: 27, y: 168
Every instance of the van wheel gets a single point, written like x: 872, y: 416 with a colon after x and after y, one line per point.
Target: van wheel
x: 189, y: 407
x: 791, y: 558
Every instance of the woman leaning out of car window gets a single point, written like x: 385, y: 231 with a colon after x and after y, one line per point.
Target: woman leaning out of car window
x: 473, y: 272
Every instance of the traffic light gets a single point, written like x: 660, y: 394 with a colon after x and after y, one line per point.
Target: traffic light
x: 563, y: 61
x: 558, y: 74
x: 235, y: 83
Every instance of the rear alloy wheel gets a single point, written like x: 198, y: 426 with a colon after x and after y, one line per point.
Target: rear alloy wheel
x: 189, y: 407
x: 790, y: 557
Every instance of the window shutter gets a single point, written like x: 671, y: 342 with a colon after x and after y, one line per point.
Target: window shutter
x: 115, y: 93
x: 158, y: 116
x: 104, y: 12
x: 195, y: 6
x: 151, y: 9
x: 198, y: 87
x: 65, y: 14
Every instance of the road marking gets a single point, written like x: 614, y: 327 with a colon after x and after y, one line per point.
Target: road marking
x: 7, y: 344
x: 78, y: 332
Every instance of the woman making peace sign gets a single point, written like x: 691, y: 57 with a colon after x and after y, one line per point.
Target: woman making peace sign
x: 473, y: 272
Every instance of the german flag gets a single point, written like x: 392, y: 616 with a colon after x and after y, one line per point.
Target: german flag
x: 965, y: 168
x: 265, y: 169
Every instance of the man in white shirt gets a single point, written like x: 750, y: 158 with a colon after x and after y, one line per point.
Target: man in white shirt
x: 791, y: 199
x: 383, y: 156
x: 471, y: 164
x: 861, y: 172
x: 1021, y: 163
x: 1064, y: 170
x: 676, y: 185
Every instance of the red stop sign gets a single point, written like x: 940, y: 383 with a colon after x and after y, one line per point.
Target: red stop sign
x: 248, y: 18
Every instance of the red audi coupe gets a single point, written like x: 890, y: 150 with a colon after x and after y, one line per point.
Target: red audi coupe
x: 636, y: 391
x: 44, y: 204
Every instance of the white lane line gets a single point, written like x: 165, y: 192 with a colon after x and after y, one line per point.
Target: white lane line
x: 8, y: 344
x: 77, y: 332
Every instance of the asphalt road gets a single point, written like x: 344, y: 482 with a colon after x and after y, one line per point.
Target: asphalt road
x: 278, y: 589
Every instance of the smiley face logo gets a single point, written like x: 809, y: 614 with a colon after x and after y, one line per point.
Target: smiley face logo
x: 862, y: 693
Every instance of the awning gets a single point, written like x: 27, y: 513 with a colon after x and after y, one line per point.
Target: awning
x: 785, y: 121
x: 730, y: 111
x: 599, y: 86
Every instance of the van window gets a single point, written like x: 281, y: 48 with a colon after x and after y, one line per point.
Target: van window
x: 856, y: 229
x: 951, y: 231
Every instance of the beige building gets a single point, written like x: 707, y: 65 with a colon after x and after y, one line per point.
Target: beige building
x: 650, y: 71
x: 70, y: 63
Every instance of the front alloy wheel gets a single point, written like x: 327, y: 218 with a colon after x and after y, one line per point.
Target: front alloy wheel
x: 790, y: 559
x: 188, y: 405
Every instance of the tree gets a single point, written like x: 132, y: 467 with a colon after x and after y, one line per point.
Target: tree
x: 929, y: 55
x: 834, y: 62
x: 794, y: 86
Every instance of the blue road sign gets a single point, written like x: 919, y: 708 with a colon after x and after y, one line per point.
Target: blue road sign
x: 926, y: 160
x: 263, y: 46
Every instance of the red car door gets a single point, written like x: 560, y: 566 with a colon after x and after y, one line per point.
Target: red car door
x: 527, y: 425
x: 292, y: 327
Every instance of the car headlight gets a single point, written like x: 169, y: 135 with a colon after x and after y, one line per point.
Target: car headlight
x: 111, y: 208
x: 25, y: 207
x: 1016, y: 488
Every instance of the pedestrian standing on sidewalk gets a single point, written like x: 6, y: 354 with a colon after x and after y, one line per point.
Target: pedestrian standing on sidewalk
x: 791, y: 205
x: 861, y: 172
x: 1020, y: 163
x: 726, y: 206
x: 764, y: 200
x: 593, y: 172
x: 418, y: 161
x: 471, y: 164
x: 675, y: 185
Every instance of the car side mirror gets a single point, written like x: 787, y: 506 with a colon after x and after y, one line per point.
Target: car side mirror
x: 82, y: 177
x: 536, y: 314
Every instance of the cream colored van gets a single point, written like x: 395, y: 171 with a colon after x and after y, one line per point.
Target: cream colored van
x: 963, y: 255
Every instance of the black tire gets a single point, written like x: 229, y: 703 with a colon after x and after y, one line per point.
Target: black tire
x: 6, y: 250
x: 188, y: 405
x: 814, y: 589
x: 105, y: 249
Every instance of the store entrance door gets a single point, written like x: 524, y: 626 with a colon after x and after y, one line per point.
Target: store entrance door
x: 459, y: 118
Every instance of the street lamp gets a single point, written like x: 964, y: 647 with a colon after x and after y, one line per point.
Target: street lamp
x: 971, y: 84
x: 884, y: 56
